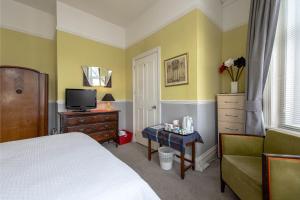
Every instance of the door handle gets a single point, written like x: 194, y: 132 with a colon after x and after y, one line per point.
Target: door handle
x: 153, y: 107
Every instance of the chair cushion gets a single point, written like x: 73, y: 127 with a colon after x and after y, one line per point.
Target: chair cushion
x: 243, y: 175
x: 281, y: 143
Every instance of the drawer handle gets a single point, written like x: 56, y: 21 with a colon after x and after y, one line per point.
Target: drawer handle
x: 81, y: 130
x: 232, y: 129
x: 81, y: 120
x: 230, y: 115
x: 19, y: 91
x: 231, y: 102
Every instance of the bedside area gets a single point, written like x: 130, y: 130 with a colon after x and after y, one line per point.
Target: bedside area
x: 100, y: 125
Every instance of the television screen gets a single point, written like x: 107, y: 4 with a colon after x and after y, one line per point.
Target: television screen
x: 81, y: 99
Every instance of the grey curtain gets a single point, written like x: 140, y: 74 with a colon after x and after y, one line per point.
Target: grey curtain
x: 261, y: 34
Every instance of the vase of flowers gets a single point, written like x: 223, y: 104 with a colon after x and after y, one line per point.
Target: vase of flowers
x: 234, y: 87
x: 234, y: 69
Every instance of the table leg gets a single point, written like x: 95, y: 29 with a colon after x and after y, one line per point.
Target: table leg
x: 193, y: 156
x: 182, y: 165
x: 149, y: 149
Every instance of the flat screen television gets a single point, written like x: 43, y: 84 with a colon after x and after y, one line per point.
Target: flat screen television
x: 81, y: 99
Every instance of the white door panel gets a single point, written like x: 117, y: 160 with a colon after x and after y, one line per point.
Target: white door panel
x: 146, y: 94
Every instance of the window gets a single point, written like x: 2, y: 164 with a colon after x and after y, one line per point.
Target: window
x: 282, y: 92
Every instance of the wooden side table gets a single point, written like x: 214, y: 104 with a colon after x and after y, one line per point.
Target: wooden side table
x: 175, y: 141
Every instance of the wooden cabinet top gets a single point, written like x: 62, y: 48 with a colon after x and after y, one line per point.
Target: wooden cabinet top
x: 231, y: 94
x: 89, y: 112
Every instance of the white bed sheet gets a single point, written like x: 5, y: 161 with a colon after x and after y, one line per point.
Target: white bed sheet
x: 68, y: 167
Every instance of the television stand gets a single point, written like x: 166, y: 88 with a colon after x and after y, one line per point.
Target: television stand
x: 80, y: 111
x: 100, y: 125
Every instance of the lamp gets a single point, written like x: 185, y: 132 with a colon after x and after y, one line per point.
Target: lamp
x: 108, y: 98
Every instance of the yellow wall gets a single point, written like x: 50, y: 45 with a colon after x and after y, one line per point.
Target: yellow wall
x: 176, y: 38
x: 1, y: 38
x: 209, y: 49
x: 234, y: 44
x: 25, y: 50
x: 195, y: 34
x: 74, y: 51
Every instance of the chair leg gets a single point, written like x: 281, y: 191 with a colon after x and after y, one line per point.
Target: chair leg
x: 222, y: 185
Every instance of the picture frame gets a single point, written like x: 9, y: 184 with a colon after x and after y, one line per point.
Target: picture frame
x: 176, y: 70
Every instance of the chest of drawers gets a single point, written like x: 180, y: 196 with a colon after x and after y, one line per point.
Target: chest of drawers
x: 231, y: 113
x: 100, y: 125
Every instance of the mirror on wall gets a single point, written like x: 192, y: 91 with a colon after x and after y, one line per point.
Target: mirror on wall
x: 96, y: 76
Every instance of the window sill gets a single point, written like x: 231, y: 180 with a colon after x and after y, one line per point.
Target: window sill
x: 287, y: 131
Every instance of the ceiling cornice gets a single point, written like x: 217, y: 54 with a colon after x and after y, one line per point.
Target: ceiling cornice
x: 227, y: 2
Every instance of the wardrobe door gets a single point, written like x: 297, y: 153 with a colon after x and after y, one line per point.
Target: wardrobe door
x: 20, y: 104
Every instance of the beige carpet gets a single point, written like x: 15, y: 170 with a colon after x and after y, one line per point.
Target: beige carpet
x: 167, y: 184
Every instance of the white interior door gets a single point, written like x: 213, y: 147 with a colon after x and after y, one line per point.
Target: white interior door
x: 146, y: 94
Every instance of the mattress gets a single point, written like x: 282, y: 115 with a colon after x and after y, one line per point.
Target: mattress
x: 66, y: 166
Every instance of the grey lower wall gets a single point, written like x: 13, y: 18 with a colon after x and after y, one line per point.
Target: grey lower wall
x: 203, y: 114
x: 121, y: 106
x: 206, y: 125
x: 204, y: 119
x: 129, y: 116
x: 52, y: 116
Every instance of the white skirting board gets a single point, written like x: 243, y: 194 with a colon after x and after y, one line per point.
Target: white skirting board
x: 202, y: 161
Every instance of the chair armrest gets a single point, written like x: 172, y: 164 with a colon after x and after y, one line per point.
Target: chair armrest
x: 280, y: 176
x: 242, y: 145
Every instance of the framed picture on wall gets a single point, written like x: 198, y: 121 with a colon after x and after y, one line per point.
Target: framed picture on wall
x: 176, y: 70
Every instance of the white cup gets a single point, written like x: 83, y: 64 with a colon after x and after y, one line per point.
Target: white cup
x: 176, y: 122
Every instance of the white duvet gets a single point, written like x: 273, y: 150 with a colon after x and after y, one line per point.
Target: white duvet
x: 68, y: 167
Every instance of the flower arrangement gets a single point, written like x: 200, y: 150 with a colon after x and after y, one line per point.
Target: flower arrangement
x: 228, y: 65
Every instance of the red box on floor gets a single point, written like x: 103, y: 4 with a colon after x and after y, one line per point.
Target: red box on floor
x: 124, y: 139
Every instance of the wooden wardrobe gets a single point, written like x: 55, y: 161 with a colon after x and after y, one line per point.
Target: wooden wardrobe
x: 23, y: 103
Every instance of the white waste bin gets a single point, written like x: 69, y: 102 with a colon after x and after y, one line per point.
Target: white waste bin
x: 166, y: 155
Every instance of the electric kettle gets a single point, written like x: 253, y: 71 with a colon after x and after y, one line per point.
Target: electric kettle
x: 187, y: 124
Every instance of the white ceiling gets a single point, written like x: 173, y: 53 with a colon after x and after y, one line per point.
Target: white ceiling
x: 119, y: 12
x: 48, y: 6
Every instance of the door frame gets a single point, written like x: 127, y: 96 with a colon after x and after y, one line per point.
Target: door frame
x: 156, y: 50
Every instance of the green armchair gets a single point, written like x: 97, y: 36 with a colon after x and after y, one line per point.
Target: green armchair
x: 258, y: 167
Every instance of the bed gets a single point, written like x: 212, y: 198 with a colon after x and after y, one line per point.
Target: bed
x: 66, y: 166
